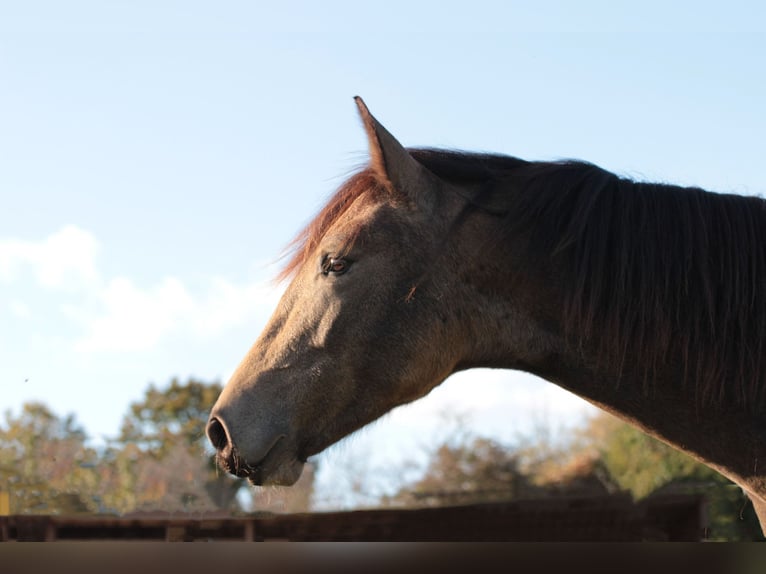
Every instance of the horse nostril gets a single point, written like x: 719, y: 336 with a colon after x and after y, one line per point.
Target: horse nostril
x: 217, y: 434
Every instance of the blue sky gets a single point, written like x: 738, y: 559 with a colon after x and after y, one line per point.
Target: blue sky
x: 155, y: 158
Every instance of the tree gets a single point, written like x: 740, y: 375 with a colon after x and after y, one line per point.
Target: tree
x: 162, y: 452
x: 161, y: 461
x: 605, y: 455
x: 45, y: 464
x: 643, y: 465
x: 470, y: 469
x: 164, y: 417
x: 481, y: 470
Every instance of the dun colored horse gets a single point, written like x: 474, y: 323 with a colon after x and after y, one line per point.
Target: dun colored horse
x: 647, y: 300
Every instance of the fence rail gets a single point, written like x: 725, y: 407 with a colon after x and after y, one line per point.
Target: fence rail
x: 609, y: 518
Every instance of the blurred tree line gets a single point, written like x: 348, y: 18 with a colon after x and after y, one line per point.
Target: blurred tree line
x: 605, y: 456
x: 161, y: 462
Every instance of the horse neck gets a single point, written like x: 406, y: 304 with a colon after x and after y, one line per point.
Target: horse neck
x: 723, y: 437
x: 518, y: 323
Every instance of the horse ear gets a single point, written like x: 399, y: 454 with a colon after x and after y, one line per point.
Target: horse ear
x: 393, y: 163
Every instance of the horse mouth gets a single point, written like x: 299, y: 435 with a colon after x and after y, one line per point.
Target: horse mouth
x: 277, y: 467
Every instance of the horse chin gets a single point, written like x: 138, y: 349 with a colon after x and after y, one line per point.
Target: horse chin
x: 280, y: 466
x: 286, y: 473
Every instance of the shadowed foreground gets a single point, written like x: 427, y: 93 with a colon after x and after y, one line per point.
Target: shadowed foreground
x: 614, y: 518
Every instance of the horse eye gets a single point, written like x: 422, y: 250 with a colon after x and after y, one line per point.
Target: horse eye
x: 335, y: 265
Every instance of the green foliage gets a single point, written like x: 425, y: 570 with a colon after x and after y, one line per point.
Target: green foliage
x: 166, y: 416
x: 469, y: 470
x: 162, y: 452
x: 643, y: 465
x: 160, y: 461
x: 605, y: 455
x: 45, y: 464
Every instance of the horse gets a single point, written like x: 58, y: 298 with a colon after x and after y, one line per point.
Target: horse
x: 647, y: 300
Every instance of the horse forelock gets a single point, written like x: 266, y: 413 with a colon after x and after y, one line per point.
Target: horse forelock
x: 302, y: 247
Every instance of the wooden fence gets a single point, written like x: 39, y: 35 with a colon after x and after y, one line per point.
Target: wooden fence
x: 602, y: 518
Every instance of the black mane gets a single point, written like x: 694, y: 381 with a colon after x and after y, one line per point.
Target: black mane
x: 677, y: 275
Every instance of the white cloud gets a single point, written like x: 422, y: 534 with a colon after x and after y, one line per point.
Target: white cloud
x: 118, y: 314
x: 131, y: 319
x: 66, y: 258
x: 228, y: 305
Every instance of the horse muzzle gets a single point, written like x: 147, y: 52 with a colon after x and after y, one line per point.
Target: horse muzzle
x: 270, y: 461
